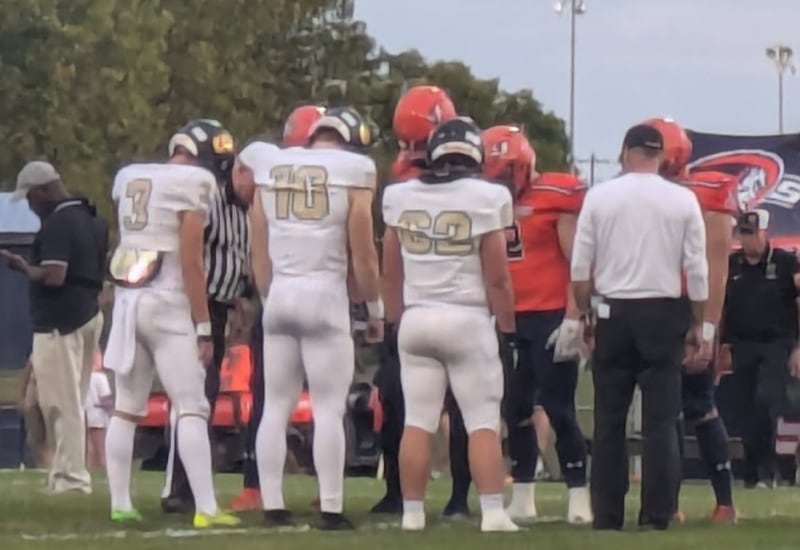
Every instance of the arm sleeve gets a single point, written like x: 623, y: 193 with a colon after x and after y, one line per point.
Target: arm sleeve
x: 695, y: 263
x: 585, y: 247
x: 56, y: 241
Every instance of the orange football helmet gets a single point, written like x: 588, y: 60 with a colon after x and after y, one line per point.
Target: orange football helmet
x: 403, y: 167
x: 509, y: 156
x: 417, y: 114
x: 677, y: 146
x: 298, y: 125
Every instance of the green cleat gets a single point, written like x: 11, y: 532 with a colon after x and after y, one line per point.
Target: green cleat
x: 220, y: 519
x: 126, y: 516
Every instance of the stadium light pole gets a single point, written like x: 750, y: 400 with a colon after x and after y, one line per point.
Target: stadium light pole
x: 781, y: 56
x: 576, y: 8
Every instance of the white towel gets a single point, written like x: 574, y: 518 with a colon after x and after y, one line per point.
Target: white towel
x: 121, y: 348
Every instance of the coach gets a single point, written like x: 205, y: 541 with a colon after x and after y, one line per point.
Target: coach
x: 66, y: 275
x: 635, y: 236
x: 227, y: 241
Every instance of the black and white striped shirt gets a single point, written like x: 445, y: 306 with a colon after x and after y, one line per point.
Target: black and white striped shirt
x: 227, y: 249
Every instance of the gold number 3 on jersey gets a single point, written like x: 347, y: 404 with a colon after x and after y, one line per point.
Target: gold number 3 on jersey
x: 301, y: 191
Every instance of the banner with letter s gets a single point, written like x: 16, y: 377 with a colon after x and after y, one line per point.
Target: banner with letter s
x: 768, y: 171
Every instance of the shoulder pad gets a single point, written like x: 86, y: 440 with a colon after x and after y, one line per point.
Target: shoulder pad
x: 715, y: 191
x: 557, y: 192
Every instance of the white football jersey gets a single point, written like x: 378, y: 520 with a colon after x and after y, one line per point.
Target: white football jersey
x: 440, y: 228
x: 304, y: 193
x: 149, y: 198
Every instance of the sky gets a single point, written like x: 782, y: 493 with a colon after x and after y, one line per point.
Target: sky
x: 701, y: 62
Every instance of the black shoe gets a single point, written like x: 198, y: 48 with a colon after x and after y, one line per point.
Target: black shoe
x: 388, y: 505
x: 334, y: 522
x: 176, y: 505
x: 278, y: 518
x: 456, y: 509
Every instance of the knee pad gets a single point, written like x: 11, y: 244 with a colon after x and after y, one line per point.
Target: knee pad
x: 130, y: 404
x: 192, y: 406
x: 422, y: 414
x: 482, y: 415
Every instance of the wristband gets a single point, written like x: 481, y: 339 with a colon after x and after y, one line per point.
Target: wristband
x: 203, y: 329
x: 709, y: 331
x: 375, y: 309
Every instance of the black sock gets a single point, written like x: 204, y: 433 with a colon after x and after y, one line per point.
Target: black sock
x: 523, y: 453
x: 459, y: 459
x: 712, y: 439
x: 250, y: 471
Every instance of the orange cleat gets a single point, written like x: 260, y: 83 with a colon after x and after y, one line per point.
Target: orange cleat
x: 724, y: 515
x: 247, y: 501
x: 679, y: 517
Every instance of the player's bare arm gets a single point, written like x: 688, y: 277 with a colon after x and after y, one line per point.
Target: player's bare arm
x: 192, y: 226
x: 565, y: 227
x: 393, y: 275
x: 259, y: 242
x: 718, y: 247
x: 497, y: 279
x: 364, y: 256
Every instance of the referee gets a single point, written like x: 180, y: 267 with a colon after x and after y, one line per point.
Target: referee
x: 228, y: 266
x: 636, y: 234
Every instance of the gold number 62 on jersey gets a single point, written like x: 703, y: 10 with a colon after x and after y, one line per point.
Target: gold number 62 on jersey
x: 452, y: 230
x: 301, y: 191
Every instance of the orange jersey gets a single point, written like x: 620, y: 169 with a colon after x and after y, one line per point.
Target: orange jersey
x: 715, y: 191
x: 539, y: 269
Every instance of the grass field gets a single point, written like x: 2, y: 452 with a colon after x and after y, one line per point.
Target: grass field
x: 30, y: 520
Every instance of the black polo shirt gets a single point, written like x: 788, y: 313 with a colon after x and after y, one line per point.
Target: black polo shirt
x: 71, y: 235
x: 760, y: 298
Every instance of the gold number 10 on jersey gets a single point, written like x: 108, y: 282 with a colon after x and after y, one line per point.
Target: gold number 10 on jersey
x: 452, y: 230
x: 301, y: 191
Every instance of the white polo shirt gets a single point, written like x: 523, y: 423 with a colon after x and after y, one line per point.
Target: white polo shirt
x: 637, y: 234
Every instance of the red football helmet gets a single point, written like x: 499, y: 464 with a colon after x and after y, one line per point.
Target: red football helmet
x: 419, y: 111
x: 677, y: 146
x: 509, y: 156
x: 298, y: 125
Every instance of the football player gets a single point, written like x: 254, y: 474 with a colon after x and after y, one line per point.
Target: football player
x: 416, y: 115
x: 445, y: 273
x: 539, y: 249
x: 716, y: 193
x: 295, y: 134
x: 312, y: 205
x: 160, y: 323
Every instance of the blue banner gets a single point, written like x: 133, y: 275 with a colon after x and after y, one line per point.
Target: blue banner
x: 768, y: 170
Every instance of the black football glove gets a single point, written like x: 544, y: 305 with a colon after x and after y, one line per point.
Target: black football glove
x: 508, y: 350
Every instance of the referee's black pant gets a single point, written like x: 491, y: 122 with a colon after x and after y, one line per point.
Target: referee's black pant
x: 638, y: 342
x: 179, y: 486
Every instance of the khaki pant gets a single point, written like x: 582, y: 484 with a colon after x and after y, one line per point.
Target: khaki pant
x: 35, y: 428
x: 62, y: 364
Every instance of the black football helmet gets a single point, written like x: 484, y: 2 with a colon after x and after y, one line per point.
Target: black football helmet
x: 455, y: 143
x: 348, y: 124
x: 210, y: 143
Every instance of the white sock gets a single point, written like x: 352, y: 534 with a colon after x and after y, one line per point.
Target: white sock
x: 329, y: 456
x: 413, y: 506
x: 491, y: 502
x: 195, y: 450
x: 119, y: 459
x: 271, y: 456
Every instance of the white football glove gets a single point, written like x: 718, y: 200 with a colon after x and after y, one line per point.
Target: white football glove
x: 566, y: 341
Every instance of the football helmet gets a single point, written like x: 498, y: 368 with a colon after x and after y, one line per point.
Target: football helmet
x: 677, y: 146
x: 297, y: 128
x: 455, y: 142
x: 510, y: 158
x: 210, y: 143
x: 417, y: 114
x: 348, y: 124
